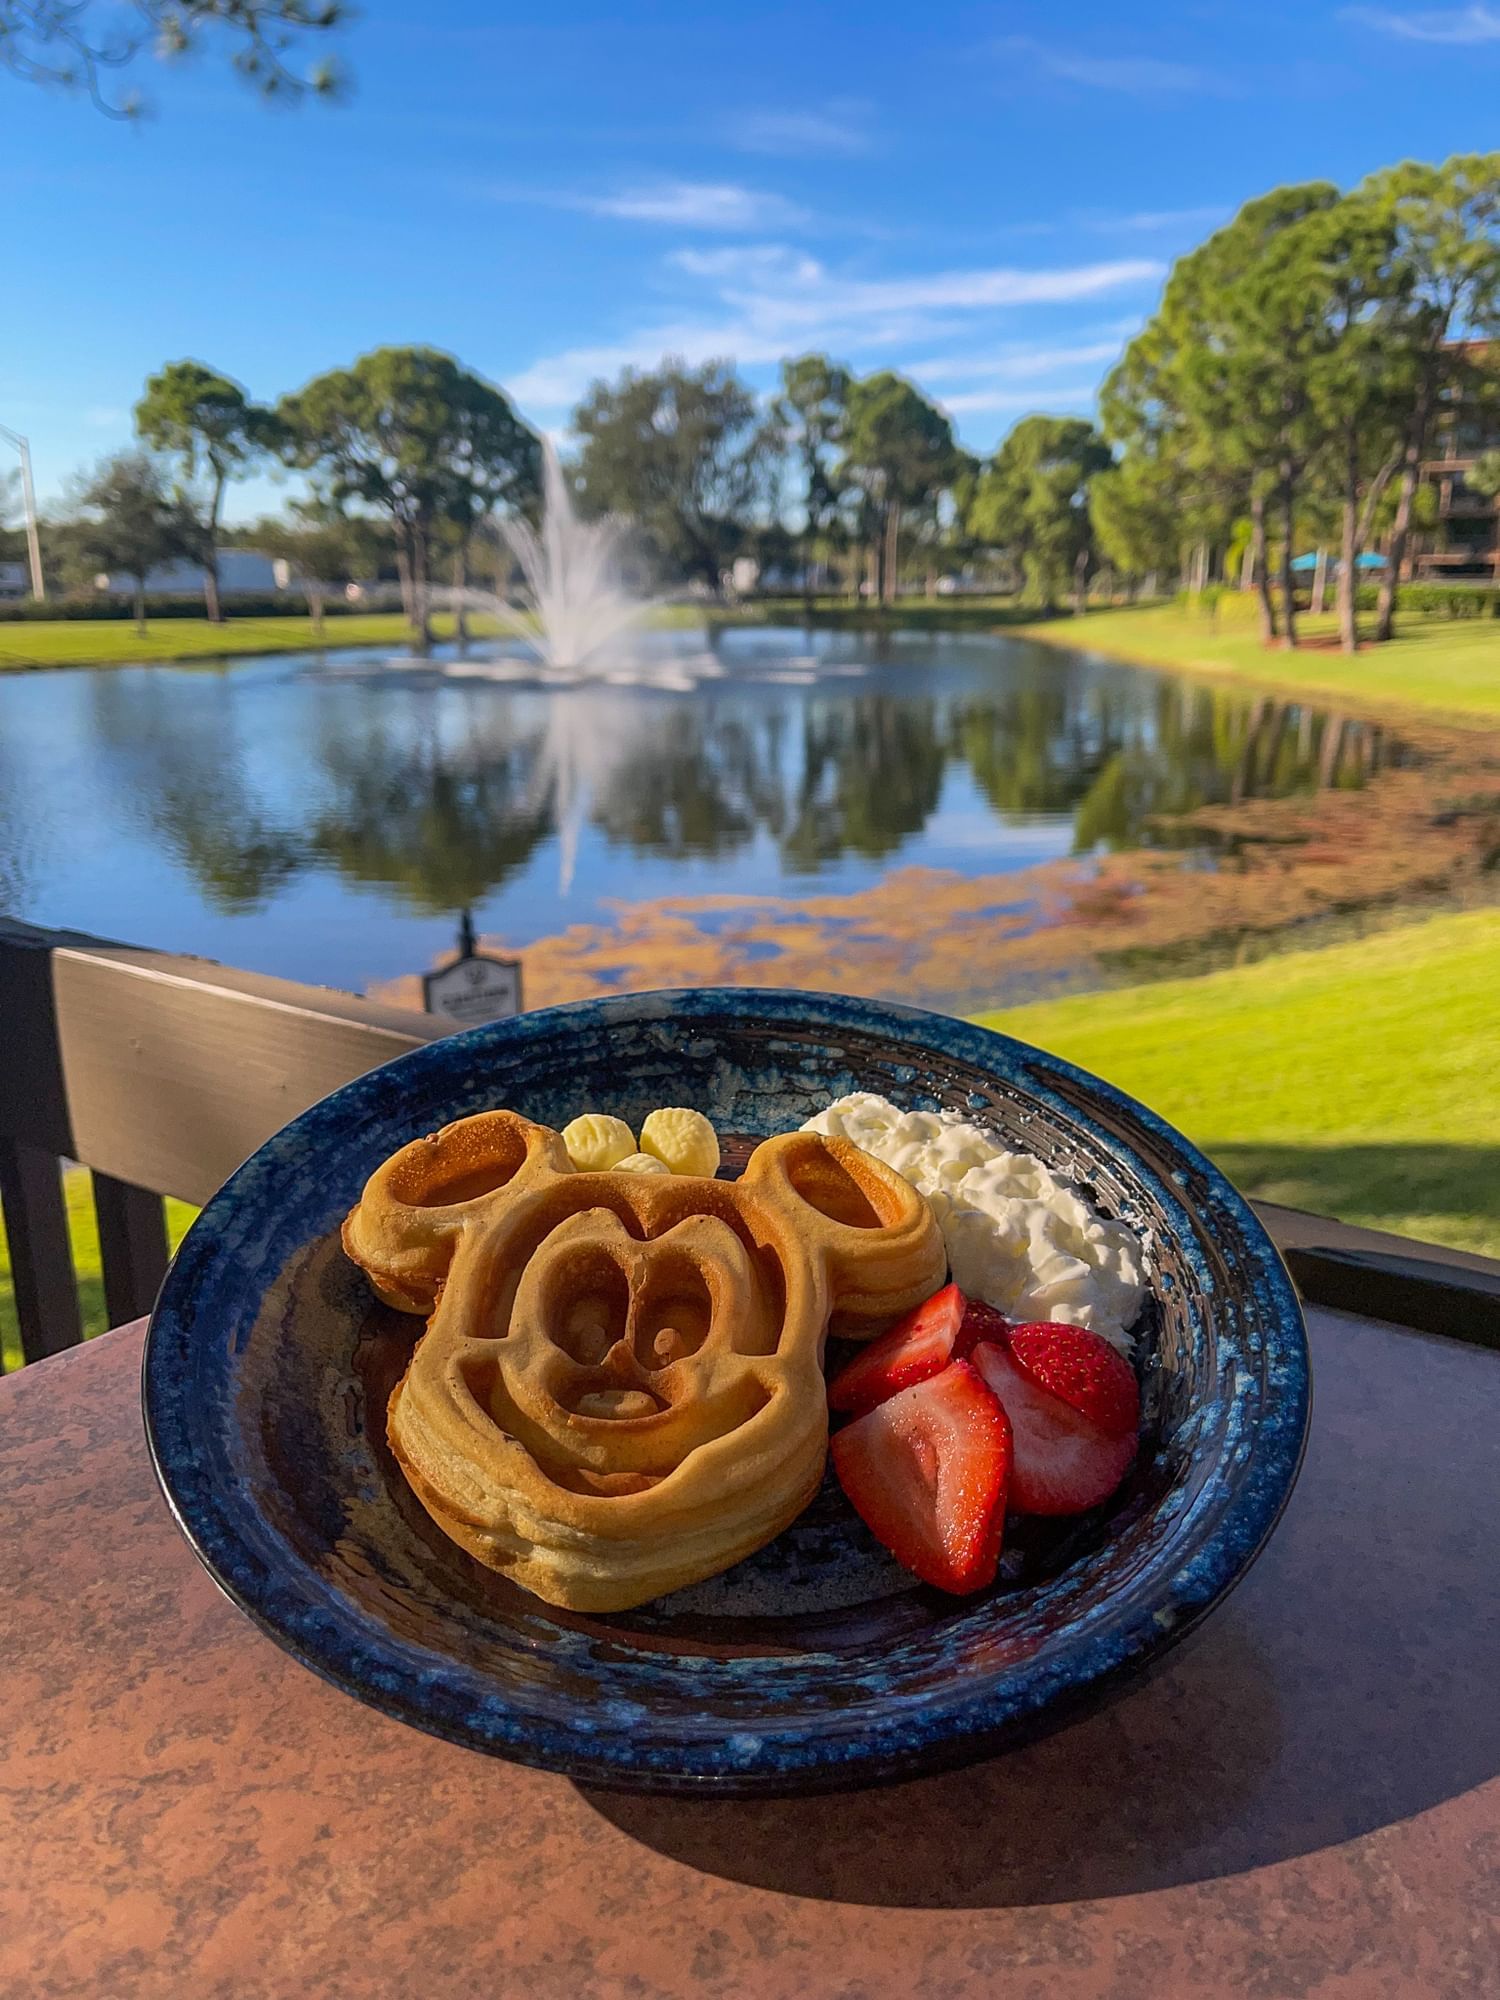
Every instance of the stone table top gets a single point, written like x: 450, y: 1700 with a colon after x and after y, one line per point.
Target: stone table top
x: 1305, y: 1801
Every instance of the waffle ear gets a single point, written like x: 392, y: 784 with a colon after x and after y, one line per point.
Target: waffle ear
x: 404, y: 1228
x: 881, y: 1245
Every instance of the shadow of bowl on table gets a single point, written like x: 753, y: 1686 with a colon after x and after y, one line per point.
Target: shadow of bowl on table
x: 1347, y: 1685
x: 1107, y: 1807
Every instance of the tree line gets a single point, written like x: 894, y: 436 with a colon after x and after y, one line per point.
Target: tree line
x: 1297, y: 374
x: 1287, y: 390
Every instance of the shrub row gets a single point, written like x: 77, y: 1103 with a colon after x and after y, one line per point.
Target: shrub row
x: 1447, y: 600
x: 237, y: 604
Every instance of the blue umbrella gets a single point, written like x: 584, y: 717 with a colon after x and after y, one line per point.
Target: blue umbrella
x: 1305, y: 565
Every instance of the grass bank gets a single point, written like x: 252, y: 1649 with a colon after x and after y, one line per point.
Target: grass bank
x: 110, y: 642
x: 28, y: 643
x: 1361, y: 1081
x: 1445, y: 665
x: 910, y: 614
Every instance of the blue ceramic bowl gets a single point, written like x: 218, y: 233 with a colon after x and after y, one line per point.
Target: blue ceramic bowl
x: 818, y: 1663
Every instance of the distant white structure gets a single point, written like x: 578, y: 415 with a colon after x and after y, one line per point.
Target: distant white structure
x: 239, y: 570
x: 14, y: 581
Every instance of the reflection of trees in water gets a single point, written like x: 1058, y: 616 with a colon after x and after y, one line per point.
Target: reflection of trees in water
x: 1119, y: 758
x: 863, y: 775
x: 443, y: 823
x: 872, y: 774
x: 17, y: 835
x: 1186, y: 757
x: 1037, y: 748
x: 442, y: 795
x: 178, y: 751
x: 440, y: 822
x: 687, y: 782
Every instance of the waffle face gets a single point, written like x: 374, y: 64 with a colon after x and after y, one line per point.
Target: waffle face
x: 620, y: 1387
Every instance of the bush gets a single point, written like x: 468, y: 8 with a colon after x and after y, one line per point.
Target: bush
x: 1450, y: 600
x: 121, y: 610
x: 1207, y: 600
x: 1227, y: 603
x: 1441, y: 600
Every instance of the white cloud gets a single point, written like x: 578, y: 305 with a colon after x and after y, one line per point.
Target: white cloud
x: 696, y: 205
x: 978, y: 402
x: 1455, y: 25
x: 1147, y: 220
x: 767, y: 300
x: 839, y: 129
x: 772, y: 284
x: 765, y: 262
x: 676, y: 204
x: 558, y: 381
x: 1022, y: 365
x: 1137, y: 75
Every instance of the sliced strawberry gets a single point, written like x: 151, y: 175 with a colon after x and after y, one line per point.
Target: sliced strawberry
x: 920, y: 1345
x: 982, y: 1321
x: 1083, y: 1371
x: 1061, y: 1462
x: 927, y: 1472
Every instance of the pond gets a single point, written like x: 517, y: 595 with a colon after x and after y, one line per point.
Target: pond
x: 326, y: 816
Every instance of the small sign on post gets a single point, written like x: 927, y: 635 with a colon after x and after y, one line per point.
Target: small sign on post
x: 477, y: 987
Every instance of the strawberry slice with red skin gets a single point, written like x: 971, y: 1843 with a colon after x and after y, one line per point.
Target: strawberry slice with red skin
x: 982, y: 1321
x: 918, y: 1346
x: 947, y: 1327
x: 1061, y: 1463
x: 1082, y: 1370
x: 927, y: 1471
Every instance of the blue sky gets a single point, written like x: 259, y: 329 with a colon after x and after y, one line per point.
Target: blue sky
x: 984, y: 197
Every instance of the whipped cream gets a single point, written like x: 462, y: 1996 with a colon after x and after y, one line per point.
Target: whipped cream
x: 1017, y: 1236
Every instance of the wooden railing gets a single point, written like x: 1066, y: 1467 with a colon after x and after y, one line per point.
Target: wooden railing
x: 161, y: 1074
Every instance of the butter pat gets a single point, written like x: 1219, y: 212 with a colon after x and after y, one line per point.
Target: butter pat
x: 641, y: 1163
x: 683, y: 1141
x: 596, y: 1142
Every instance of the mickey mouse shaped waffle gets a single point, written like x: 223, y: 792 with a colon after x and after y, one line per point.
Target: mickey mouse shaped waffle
x: 620, y: 1388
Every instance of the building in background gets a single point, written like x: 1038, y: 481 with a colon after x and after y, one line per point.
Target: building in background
x: 1463, y: 544
x: 243, y: 571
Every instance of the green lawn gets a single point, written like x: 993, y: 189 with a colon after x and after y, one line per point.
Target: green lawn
x: 1361, y: 1081
x: 63, y: 642
x: 81, y: 642
x: 1450, y: 665
x: 909, y: 614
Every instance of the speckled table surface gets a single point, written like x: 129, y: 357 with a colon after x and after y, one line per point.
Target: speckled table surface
x: 1305, y: 1802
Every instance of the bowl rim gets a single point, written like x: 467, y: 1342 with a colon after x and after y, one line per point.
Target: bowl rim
x: 356, y: 1655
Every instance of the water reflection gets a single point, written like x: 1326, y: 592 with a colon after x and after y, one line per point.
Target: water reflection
x: 784, y: 770
x: 183, y: 768
x: 440, y: 823
x: 17, y: 854
x: 872, y: 774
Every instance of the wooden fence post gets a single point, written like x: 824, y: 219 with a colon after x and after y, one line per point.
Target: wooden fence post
x: 41, y: 1257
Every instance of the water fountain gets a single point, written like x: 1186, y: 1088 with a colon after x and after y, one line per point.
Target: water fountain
x: 573, y: 629
x: 579, y: 610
